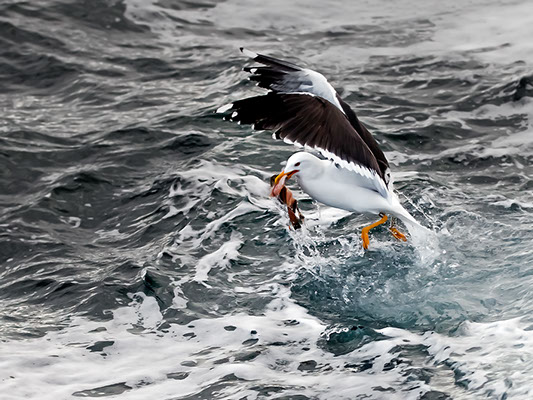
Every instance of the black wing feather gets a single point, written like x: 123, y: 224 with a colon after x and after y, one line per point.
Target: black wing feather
x: 367, y: 137
x: 274, y: 62
x: 285, y: 77
x: 308, y: 121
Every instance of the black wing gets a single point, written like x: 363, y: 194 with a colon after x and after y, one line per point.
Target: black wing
x: 368, y: 139
x: 285, y: 77
x: 310, y: 121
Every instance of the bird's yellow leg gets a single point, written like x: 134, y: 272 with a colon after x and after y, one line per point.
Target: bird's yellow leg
x: 395, y: 232
x: 366, y: 229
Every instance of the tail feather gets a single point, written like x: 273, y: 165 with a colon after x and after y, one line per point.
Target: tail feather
x: 400, y: 212
x: 407, y: 218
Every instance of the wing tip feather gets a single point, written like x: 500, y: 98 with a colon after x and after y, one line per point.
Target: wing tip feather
x: 224, y: 108
x: 248, y: 53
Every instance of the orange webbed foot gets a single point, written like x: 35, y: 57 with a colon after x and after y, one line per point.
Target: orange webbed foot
x: 397, y: 234
x: 366, y: 229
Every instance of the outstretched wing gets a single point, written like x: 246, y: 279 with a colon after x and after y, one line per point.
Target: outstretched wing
x: 285, y: 77
x: 281, y: 76
x: 310, y: 121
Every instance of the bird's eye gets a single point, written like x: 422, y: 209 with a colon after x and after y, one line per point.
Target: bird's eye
x: 297, y: 164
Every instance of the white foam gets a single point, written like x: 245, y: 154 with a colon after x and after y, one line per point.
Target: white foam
x: 58, y: 365
x: 508, y: 203
x: 493, y: 359
x: 220, y: 258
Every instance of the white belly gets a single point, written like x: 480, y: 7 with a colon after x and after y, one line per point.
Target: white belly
x: 335, y: 190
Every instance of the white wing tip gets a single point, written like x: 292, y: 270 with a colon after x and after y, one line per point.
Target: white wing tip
x: 224, y: 108
x: 248, y: 53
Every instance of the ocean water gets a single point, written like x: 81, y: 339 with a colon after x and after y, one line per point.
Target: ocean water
x: 142, y: 258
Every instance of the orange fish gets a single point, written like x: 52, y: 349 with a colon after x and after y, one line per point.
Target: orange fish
x: 285, y: 196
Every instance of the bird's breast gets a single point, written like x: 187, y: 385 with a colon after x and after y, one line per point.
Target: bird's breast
x: 344, y: 194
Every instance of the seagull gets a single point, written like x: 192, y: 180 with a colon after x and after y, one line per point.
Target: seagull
x: 303, y: 109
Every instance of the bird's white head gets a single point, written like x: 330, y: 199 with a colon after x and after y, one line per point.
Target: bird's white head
x: 300, y: 165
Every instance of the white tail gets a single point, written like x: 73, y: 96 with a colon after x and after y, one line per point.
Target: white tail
x: 400, y: 212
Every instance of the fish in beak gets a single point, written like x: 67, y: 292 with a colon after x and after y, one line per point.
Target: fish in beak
x: 285, y: 196
x: 279, y: 182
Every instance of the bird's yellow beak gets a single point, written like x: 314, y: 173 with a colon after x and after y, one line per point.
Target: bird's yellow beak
x: 287, y: 174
